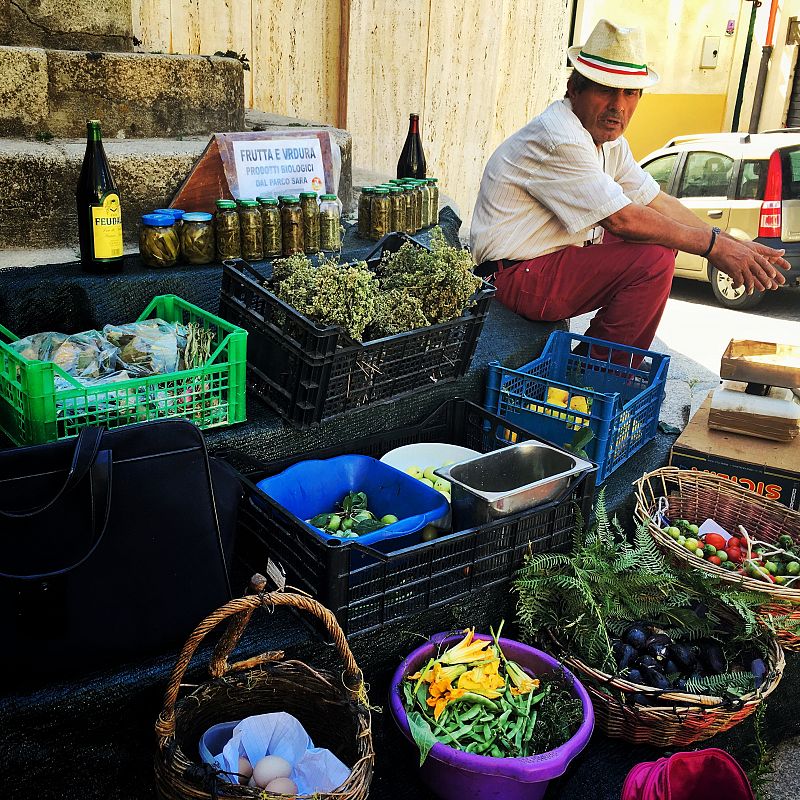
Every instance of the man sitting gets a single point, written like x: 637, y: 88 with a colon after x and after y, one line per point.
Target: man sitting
x: 568, y: 180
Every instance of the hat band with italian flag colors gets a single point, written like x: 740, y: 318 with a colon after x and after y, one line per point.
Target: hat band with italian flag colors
x: 607, y: 65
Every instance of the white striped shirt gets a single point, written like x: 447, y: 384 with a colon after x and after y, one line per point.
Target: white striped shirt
x: 548, y: 185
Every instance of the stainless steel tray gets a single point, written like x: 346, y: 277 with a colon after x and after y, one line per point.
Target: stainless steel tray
x: 506, y: 481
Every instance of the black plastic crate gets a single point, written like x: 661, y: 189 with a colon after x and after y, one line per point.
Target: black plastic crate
x: 309, y: 372
x: 366, y: 589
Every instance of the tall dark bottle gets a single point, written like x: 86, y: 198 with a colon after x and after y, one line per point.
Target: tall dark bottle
x: 412, y: 159
x: 99, y: 213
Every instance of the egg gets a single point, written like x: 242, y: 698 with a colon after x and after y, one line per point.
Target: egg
x: 245, y: 770
x: 282, y: 786
x: 270, y: 767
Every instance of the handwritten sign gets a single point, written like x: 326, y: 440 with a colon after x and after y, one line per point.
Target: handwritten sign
x: 279, y: 166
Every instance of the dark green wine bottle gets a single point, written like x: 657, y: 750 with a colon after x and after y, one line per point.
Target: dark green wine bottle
x: 99, y: 213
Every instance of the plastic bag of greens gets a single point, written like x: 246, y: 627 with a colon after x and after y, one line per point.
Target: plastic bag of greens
x: 85, y: 356
x: 149, y: 347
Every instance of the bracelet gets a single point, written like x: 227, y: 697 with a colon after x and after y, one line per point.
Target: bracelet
x: 714, y: 232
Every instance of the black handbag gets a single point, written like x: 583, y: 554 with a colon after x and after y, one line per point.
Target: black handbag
x: 112, y: 547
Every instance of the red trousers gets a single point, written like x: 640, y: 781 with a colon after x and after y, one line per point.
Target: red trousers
x: 629, y: 283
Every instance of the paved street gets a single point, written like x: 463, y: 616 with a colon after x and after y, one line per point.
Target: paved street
x: 695, y: 331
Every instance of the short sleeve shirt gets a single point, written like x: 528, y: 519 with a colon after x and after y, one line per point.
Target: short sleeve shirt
x: 548, y: 185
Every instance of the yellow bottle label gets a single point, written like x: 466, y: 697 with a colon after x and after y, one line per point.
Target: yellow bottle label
x: 107, y: 228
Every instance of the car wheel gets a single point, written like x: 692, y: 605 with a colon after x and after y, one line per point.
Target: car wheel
x: 730, y: 297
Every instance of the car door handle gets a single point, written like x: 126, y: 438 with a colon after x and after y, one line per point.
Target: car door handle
x: 715, y: 213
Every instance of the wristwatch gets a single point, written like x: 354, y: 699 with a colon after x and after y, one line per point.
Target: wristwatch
x: 714, y: 231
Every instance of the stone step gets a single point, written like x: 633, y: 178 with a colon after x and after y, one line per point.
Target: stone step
x: 51, y: 93
x: 37, y: 204
x: 104, y: 25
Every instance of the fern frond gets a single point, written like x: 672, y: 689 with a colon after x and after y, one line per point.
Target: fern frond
x: 734, y: 683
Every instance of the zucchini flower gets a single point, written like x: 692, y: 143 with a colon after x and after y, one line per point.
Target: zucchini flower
x: 441, y: 690
x: 483, y: 679
x: 523, y: 683
x: 468, y: 650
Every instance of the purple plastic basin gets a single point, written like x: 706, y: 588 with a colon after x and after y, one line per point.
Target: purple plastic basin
x: 455, y: 775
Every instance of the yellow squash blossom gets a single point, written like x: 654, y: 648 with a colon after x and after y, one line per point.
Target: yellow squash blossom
x: 441, y: 690
x: 468, y: 650
x: 483, y: 679
x: 523, y: 683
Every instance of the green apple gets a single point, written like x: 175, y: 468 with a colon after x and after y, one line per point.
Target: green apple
x: 441, y: 485
x: 389, y: 519
x: 430, y: 474
x: 414, y: 472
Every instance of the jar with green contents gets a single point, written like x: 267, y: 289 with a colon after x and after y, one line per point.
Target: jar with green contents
x: 292, y: 226
x: 415, y: 223
x: 408, y: 197
x: 270, y: 226
x: 364, y: 201
x: 308, y: 202
x: 175, y: 213
x: 158, y: 240
x: 252, y: 237
x: 426, y: 202
x: 196, y: 236
x: 379, y: 214
x: 330, y: 227
x: 227, y: 231
x: 433, y: 188
x: 397, y: 203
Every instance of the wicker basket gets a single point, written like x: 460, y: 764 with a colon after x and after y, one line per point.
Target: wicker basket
x: 331, y: 707
x: 699, y: 496
x: 677, y: 719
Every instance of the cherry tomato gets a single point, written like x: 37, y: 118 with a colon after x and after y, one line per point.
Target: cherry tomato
x: 734, y: 541
x: 715, y: 560
x: 715, y: 540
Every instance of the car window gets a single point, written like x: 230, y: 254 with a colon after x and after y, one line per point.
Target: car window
x: 752, y: 180
x: 791, y: 174
x: 706, y: 175
x: 661, y: 169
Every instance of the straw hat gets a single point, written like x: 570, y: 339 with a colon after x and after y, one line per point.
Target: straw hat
x: 613, y: 56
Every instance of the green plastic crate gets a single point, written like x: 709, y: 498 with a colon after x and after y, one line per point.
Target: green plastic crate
x: 34, y: 411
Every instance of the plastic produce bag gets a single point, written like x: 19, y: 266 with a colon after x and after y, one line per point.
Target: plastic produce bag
x: 314, y: 769
x: 150, y: 347
x: 86, y: 356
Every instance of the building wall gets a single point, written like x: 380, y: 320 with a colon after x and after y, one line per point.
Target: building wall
x: 474, y: 73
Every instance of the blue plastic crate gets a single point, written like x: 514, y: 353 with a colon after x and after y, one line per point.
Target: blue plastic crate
x: 623, y: 401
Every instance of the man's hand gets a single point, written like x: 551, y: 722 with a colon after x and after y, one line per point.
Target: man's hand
x: 752, y: 265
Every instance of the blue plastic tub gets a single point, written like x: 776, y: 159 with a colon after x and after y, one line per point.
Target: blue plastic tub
x: 624, y: 400
x: 316, y: 487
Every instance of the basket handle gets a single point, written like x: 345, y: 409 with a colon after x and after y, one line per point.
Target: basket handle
x: 243, y: 608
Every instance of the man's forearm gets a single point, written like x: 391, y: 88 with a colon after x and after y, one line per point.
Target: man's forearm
x: 638, y: 223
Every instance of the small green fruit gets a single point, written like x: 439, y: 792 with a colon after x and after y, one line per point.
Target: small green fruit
x: 334, y: 522
x: 389, y: 519
x: 414, y: 472
x: 426, y: 482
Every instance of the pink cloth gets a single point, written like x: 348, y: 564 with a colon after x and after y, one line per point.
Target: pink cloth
x: 709, y: 774
x: 629, y: 283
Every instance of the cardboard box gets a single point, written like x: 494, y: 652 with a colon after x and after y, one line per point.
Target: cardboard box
x: 769, y: 468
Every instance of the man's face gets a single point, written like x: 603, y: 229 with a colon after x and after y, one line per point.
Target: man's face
x: 604, y: 111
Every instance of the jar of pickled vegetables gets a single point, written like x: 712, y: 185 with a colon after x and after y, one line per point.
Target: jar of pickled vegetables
x: 330, y: 226
x: 397, y: 203
x: 379, y: 214
x: 250, y: 224
x: 310, y: 207
x: 158, y: 241
x: 196, y: 236
x: 364, y: 201
x: 433, y: 187
x: 291, y: 226
x: 175, y: 213
x: 270, y: 226
x: 425, y: 194
x: 226, y: 228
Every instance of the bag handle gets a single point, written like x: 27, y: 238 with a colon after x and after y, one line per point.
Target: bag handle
x: 100, y: 491
x: 353, y: 678
x: 83, y: 458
